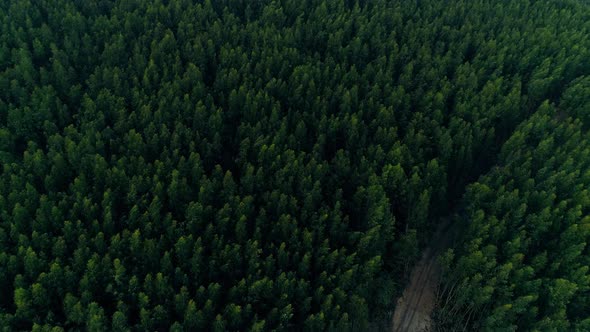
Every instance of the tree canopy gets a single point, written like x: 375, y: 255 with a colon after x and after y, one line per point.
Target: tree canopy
x: 278, y: 164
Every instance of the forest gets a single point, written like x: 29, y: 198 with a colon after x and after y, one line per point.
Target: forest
x: 279, y: 165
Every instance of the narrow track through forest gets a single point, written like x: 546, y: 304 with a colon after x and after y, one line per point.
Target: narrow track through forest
x: 414, y: 308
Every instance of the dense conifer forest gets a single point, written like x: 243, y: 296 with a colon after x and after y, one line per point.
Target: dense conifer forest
x: 234, y: 165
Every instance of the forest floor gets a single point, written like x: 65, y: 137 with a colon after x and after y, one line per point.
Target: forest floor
x: 414, y: 308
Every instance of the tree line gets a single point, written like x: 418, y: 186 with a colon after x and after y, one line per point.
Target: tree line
x: 523, y: 262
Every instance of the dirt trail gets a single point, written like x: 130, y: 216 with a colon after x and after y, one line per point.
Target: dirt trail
x: 414, y: 307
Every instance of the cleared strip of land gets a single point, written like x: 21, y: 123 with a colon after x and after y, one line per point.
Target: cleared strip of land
x: 414, y: 308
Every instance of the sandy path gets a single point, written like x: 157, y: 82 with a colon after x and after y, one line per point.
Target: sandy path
x: 414, y: 308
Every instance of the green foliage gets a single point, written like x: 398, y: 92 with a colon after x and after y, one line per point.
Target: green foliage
x: 524, y: 261
x: 278, y: 165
